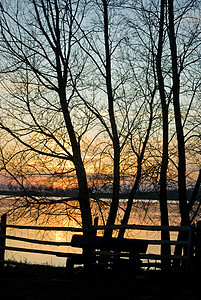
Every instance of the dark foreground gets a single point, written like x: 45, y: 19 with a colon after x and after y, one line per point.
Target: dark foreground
x: 31, y: 282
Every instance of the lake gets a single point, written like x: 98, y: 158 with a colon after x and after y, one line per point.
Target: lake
x: 144, y: 212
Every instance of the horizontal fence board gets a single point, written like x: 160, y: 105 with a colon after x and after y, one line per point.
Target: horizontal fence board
x: 102, y: 227
x: 48, y: 252
x: 63, y: 254
x: 73, y: 229
x: 164, y: 256
x: 27, y: 240
x: 141, y: 227
x: 163, y: 242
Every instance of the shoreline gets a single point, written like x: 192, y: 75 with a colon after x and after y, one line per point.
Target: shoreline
x: 172, y: 194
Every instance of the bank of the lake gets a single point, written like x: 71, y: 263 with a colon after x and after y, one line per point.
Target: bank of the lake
x: 73, y: 194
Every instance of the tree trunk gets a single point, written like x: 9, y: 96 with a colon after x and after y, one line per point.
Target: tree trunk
x: 185, y: 220
x: 130, y: 201
x: 184, y: 211
x: 115, y: 137
x: 165, y: 249
x: 79, y: 166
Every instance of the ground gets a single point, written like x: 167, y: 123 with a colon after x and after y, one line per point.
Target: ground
x: 44, y: 282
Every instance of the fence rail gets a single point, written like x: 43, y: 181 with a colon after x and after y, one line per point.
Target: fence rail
x: 34, y: 241
x: 192, y: 245
x: 46, y: 228
x: 141, y: 227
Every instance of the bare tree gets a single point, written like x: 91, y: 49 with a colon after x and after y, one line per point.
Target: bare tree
x: 37, y: 41
x: 177, y: 70
x: 164, y: 106
x: 126, y: 96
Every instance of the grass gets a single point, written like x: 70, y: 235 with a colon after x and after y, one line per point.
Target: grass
x: 33, y: 282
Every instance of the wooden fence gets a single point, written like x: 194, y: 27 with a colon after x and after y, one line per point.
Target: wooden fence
x: 149, y: 260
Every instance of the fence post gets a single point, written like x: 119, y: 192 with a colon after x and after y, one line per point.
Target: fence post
x: 198, y: 248
x: 191, y: 243
x: 2, y: 239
